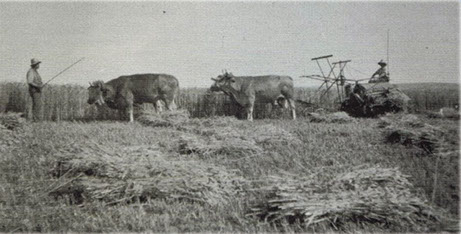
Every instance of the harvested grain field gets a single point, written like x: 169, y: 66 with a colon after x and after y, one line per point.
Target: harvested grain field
x: 178, y: 174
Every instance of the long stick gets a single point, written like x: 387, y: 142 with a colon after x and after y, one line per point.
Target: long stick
x: 63, y: 71
x: 388, y: 51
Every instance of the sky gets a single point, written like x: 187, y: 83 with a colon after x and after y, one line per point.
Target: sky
x: 195, y: 41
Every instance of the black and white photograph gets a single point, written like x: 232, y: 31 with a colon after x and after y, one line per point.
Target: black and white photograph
x: 227, y: 116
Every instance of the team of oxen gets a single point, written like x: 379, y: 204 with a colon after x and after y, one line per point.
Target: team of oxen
x: 125, y: 91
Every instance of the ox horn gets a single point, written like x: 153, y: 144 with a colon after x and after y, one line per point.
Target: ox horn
x: 214, y: 79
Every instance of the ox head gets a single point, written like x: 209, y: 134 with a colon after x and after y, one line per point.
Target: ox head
x: 224, y: 82
x: 96, y: 93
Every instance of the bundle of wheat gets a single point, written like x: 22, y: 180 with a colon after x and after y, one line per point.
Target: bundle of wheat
x: 427, y: 138
x: 373, y: 195
x: 12, y: 120
x: 228, y: 135
x: 337, y: 117
x: 409, y: 130
x: 116, y: 175
x: 164, y: 119
x: 98, y: 160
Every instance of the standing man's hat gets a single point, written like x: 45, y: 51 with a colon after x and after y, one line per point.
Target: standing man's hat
x: 382, y: 62
x: 34, y: 61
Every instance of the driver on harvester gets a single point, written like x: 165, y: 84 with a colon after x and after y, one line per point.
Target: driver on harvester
x: 381, y: 74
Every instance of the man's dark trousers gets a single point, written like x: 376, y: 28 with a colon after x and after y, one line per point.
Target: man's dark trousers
x: 36, y: 95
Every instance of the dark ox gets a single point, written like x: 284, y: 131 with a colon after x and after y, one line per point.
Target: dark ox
x: 248, y: 90
x: 121, y: 93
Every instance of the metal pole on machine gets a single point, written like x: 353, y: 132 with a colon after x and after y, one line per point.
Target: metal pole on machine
x: 325, y: 78
x: 62, y: 71
x: 388, y: 63
x: 387, y: 54
x: 340, y: 80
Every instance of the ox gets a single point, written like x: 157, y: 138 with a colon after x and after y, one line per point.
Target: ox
x: 121, y: 93
x: 248, y: 90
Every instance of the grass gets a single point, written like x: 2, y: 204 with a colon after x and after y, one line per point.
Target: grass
x: 29, y: 155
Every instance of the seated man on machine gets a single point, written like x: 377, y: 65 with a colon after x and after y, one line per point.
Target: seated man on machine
x: 381, y: 74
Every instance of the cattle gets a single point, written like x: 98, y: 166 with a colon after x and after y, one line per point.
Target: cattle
x: 125, y: 91
x: 248, y: 90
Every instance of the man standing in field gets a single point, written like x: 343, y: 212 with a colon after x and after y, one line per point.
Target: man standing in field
x: 35, y: 89
x: 381, y: 73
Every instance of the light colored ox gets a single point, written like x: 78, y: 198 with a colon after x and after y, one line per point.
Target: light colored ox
x: 121, y: 93
x: 248, y: 90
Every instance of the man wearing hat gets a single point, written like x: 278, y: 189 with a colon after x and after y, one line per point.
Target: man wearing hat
x: 35, y: 89
x: 381, y: 73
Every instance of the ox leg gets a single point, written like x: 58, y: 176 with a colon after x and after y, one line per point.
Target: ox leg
x: 249, y: 111
x: 129, y: 106
x: 250, y: 107
x: 167, y: 104
x: 170, y: 105
x: 155, y: 104
x: 129, y: 113
x: 173, y: 105
x: 168, y: 99
x: 292, y: 108
x: 159, y: 106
